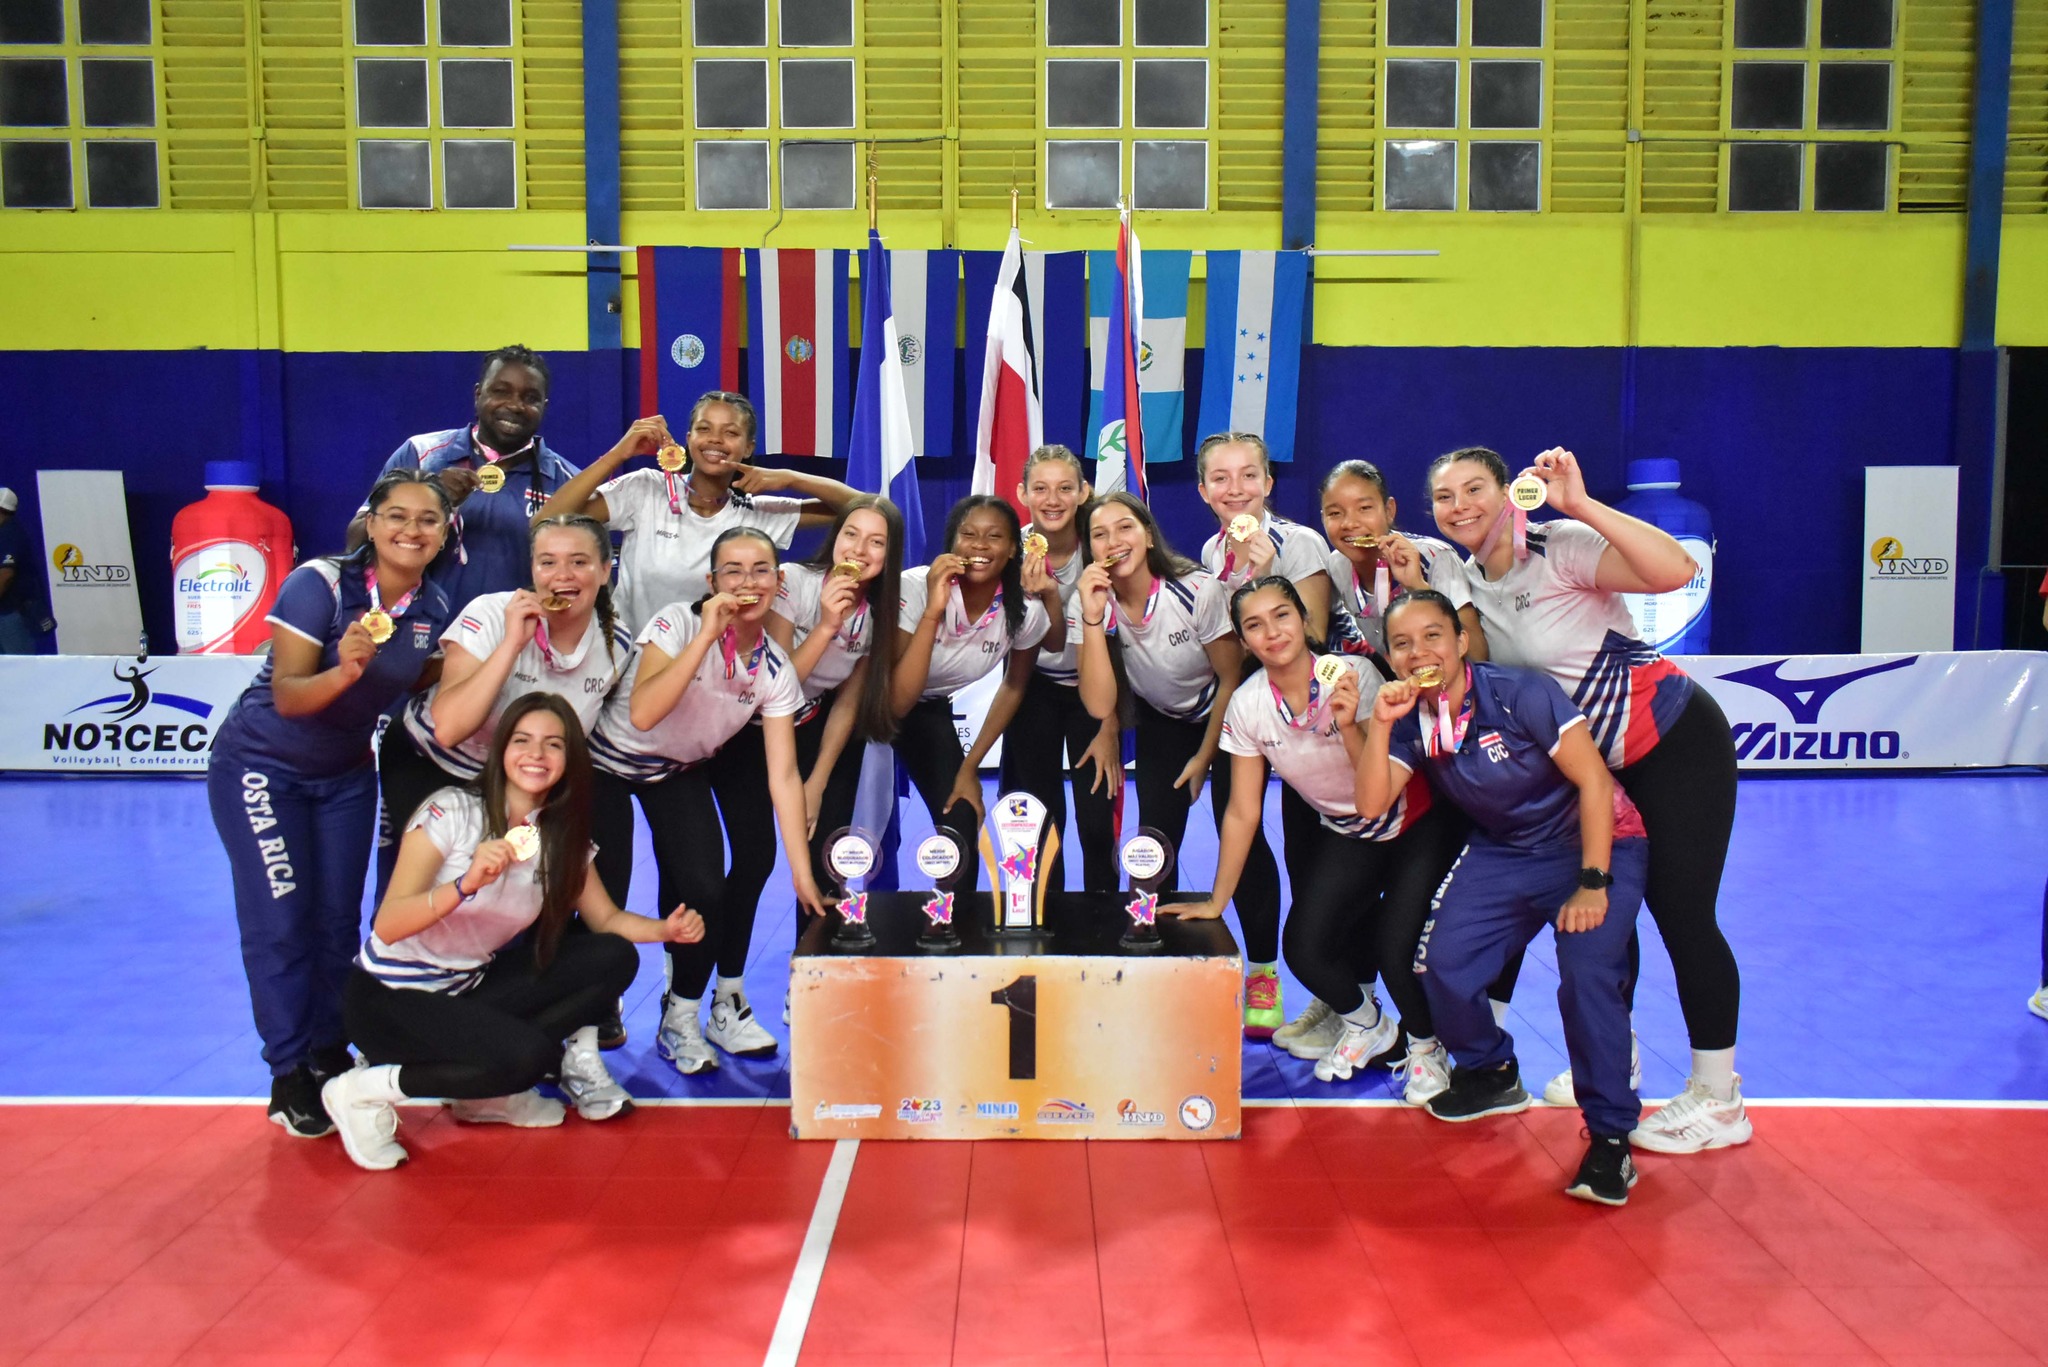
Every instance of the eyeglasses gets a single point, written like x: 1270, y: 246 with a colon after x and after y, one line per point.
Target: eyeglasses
x: 759, y: 575
x: 398, y: 522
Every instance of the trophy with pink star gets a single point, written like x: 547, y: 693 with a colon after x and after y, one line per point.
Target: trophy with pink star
x: 1148, y: 860
x: 850, y: 858
x: 938, y: 858
x: 1018, y: 847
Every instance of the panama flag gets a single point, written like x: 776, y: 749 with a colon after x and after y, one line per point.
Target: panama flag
x: 796, y: 359
x: 879, y: 455
x: 1119, y: 426
x: 1011, y: 423
x: 1251, y: 354
x: 690, y: 301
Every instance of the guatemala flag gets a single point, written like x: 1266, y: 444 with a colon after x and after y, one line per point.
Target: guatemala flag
x: 1251, y: 358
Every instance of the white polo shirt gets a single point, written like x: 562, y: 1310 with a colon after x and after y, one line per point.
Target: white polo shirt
x: 666, y: 554
x: 1298, y: 553
x: 1165, y: 659
x: 965, y: 651
x: 797, y: 604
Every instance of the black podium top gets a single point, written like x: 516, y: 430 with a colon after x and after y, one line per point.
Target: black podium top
x: 1078, y: 922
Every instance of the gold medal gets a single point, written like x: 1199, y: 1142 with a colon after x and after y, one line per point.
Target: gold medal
x: 1528, y: 493
x: 524, y: 840
x: 671, y: 457
x: 847, y: 569
x: 379, y: 624
x: 1368, y: 542
x: 555, y: 602
x: 1329, y: 669
x: 490, y: 479
x: 1034, y: 544
x: 1242, y: 526
x: 1429, y: 676
x: 747, y: 600
x: 1116, y: 557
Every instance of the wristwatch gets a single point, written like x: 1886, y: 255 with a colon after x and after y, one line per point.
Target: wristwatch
x: 1595, y: 879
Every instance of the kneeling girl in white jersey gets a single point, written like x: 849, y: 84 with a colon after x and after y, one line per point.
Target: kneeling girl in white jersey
x: 705, y: 671
x: 439, y: 1004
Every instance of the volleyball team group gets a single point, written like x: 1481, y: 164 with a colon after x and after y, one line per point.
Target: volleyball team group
x: 1471, y: 742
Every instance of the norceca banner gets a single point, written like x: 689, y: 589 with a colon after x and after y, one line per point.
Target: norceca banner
x: 101, y: 714
x: 1945, y: 710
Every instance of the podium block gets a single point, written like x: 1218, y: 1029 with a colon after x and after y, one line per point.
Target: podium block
x: 1004, y: 1039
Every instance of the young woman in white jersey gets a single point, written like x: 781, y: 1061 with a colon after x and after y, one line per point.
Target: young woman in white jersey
x: 1358, y: 913
x: 1551, y: 601
x: 1234, y: 474
x: 1178, y: 660
x: 439, y: 1004
x: 704, y: 672
x: 560, y: 636
x: 1372, y: 564
x: 829, y: 620
x: 972, y: 611
x: 1052, y: 729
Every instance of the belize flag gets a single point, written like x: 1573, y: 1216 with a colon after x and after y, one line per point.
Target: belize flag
x: 1251, y: 354
x: 796, y: 359
x: 1151, y: 290
x: 690, y: 317
x: 1119, y: 425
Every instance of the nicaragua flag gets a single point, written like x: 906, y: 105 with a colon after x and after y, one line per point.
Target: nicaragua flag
x: 690, y: 317
x: 925, y: 289
x: 1251, y: 357
x: 796, y: 361
x: 1159, y: 295
x: 880, y: 451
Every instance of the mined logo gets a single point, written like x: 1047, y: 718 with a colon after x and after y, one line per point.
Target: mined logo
x: 1127, y: 1113
x: 996, y: 1110
x: 1061, y: 1111
x: 920, y: 1110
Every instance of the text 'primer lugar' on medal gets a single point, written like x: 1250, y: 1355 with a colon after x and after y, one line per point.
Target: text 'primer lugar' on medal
x: 490, y: 479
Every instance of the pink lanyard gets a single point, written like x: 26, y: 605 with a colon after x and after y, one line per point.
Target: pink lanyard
x: 1446, y: 736
x: 1308, y: 714
x: 956, y: 611
x: 675, y: 502
x: 729, y: 647
x: 490, y: 458
x: 398, y: 608
x: 1151, y: 606
x: 540, y: 638
x: 1230, y: 556
x: 1382, y: 590
x: 1510, y: 515
x: 850, y: 630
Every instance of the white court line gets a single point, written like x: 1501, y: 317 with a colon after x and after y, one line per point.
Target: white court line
x: 753, y: 1102
x: 810, y: 1264
x: 1356, y: 1103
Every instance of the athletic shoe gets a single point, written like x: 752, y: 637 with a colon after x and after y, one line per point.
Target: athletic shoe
x: 527, y: 1110
x: 332, y: 1061
x: 295, y: 1104
x: 1262, y: 1012
x: 1607, y: 1172
x: 2038, y: 1003
x: 785, y: 1006
x: 734, y: 1029
x: 1477, y: 1092
x: 1693, y: 1120
x: 1356, y: 1048
x: 587, y: 1082
x: 367, y: 1122
x: 1426, y: 1072
x: 1558, y: 1091
x: 611, y: 1031
x: 1313, y: 1033
x: 681, y: 1040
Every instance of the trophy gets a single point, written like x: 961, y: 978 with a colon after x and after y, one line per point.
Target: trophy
x: 1148, y: 859
x: 1017, y: 860
x: 938, y: 858
x: 850, y: 855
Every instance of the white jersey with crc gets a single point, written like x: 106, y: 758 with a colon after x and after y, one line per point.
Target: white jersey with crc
x: 1298, y: 553
x: 583, y: 675
x: 1311, y: 758
x: 1164, y: 658
x: 666, y: 553
x: 1362, y: 626
x: 960, y: 656
x: 797, y: 604
x: 725, y: 695
x: 1057, y: 657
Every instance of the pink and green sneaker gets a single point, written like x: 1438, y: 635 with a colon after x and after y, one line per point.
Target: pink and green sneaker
x: 1262, y: 1012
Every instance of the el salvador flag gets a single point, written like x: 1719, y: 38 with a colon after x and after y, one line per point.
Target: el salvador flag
x: 1251, y: 359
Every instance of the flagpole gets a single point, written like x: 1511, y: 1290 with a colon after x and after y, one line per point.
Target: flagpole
x: 874, y: 179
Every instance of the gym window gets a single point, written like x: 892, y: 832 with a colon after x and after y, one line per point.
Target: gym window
x: 80, y: 104
x: 1811, y: 105
x: 430, y: 81
x: 1463, y: 102
x: 1138, y: 75
x: 777, y: 86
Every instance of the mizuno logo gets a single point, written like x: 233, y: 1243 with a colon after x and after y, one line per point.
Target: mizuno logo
x: 1804, y: 698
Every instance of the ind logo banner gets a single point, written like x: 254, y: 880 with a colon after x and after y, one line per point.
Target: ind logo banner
x: 92, y: 563
x: 1909, y: 558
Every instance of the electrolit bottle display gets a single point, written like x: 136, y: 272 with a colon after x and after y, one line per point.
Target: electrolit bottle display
x: 230, y: 552
x: 1676, y: 623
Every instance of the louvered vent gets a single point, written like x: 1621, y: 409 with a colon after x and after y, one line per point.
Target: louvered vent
x: 1346, y: 79
x: 1682, y: 106
x: 1589, y: 107
x: 1250, y: 108
x: 551, y: 72
x: 1936, y: 41
x: 206, y: 104
x: 903, y: 86
x: 305, y: 104
x: 2026, y: 167
x: 653, y: 116
x: 998, y: 95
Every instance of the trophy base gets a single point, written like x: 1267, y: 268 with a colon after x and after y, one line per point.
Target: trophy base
x: 1145, y: 941
x: 1021, y: 933
x: 939, y: 941
x: 853, y: 937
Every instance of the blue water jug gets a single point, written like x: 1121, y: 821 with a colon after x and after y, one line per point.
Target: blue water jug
x: 1676, y: 623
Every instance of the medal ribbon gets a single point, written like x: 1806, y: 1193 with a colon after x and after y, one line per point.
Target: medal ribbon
x: 1510, y: 516
x: 956, y: 611
x: 729, y: 647
x: 853, y: 626
x: 540, y: 638
x: 398, y: 608
x: 490, y: 457
x: 1382, y: 590
x: 1308, y: 714
x: 1446, y: 736
x: 1151, y: 606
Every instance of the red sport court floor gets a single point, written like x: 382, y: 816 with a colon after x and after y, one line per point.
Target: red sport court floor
x: 1892, y: 1207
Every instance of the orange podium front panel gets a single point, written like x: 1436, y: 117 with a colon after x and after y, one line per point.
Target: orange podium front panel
x: 1061, y: 1036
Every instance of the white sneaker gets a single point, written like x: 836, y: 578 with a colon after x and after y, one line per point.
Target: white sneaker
x: 1694, y: 1120
x: 734, y: 1029
x: 1356, y: 1048
x: 1311, y: 1034
x: 587, y: 1082
x: 1426, y: 1072
x: 368, y: 1123
x: 2038, y: 1003
x: 681, y: 1040
x: 785, y: 1008
x: 1558, y: 1091
x: 527, y: 1110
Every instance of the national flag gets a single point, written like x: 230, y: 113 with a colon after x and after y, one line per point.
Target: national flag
x: 1153, y: 289
x: 1010, y: 424
x: 1251, y: 355
x: 925, y: 289
x: 1056, y: 283
x: 796, y: 358
x: 881, y: 449
x: 690, y: 301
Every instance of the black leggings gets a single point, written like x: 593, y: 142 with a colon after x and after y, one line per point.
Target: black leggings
x: 929, y: 748
x: 688, y: 857
x: 503, y: 1035
x: 1359, y: 910
x: 406, y: 777
x: 1685, y: 789
x: 739, y: 776
x: 1165, y: 745
x: 842, y: 789
x: 1048, y: 734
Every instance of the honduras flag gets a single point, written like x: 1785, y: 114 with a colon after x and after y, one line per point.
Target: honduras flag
x: 1157, y: 295
x: 1251, y: 358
